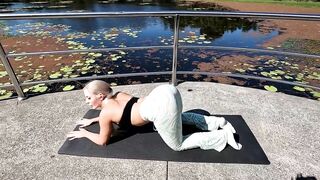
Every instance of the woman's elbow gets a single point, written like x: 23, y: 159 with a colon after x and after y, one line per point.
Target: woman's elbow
x: 101, y: 142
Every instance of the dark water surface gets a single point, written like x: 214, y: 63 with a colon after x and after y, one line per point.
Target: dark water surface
x: 87, y: 33
x: 220, y: 31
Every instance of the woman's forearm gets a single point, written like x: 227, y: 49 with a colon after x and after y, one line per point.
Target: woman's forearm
x: 96, y: 119
x: 96, y: 138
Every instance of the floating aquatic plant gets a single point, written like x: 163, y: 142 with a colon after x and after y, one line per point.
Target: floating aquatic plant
x: 37, y: 76
x: 55, y: 75
x: 276, y: 77
x: 39, y: 88
x: 66, y: 69
x: 74, y: 75
x: 241, y: 70
x: 298, y: 88
x: 315, y: 94
x: 90, y: 61
x: 288, y: 77
x: 270, y: 88
x: 5, y: 94
x: 265, y: 74
x: 3, y: 73
x: 20, y: 58
x: 68, y: 88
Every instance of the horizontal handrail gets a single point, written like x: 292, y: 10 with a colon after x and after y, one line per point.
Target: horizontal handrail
x: 226, y: 74
x: 162, y: 47
x: 252, y: 50
x: 86, y: 50
x: 100, y: 76
x: 312, y: 17
x: 247, y: 77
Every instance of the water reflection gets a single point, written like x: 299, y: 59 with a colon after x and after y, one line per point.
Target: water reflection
x: 86, y: 33
x: 213, y: 28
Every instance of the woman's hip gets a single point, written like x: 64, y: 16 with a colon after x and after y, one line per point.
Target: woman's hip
x: 162, y: 103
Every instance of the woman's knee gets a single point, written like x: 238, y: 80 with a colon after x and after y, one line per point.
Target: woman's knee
x: 176, y: 148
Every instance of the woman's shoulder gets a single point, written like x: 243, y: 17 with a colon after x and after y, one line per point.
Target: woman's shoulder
x: 121, y: 96
x: 109, y: 108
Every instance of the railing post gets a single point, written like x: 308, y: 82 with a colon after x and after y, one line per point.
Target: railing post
x: 175, y: 50
x: 13, y: 78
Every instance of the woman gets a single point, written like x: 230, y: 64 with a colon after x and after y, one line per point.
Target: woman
x: 163, y: 107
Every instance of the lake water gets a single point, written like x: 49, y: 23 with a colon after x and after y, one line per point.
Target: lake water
x: 220, y: 31
x: 144, y: 31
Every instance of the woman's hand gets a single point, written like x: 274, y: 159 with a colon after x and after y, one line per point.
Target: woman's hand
x: 76, y: 134
x: 84, y: 122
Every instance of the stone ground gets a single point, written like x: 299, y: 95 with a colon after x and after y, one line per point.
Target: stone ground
x: 286, y: 127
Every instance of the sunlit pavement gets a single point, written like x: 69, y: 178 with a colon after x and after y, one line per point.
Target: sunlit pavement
x: 286, y: 127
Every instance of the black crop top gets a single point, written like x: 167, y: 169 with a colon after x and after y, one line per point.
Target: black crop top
x: 125, y: 121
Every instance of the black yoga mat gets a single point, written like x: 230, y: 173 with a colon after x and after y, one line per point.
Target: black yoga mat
x: 146, y: 144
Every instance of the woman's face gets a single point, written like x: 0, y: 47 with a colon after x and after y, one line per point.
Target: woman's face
x: 92, y: 99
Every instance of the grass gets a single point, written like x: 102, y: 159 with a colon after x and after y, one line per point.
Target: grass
x: 309, y: 4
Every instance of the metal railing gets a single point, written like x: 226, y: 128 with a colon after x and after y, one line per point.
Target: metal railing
x: 176, y: 15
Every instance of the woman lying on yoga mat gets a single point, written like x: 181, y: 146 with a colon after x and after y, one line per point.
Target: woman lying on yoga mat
x: 163, y: 107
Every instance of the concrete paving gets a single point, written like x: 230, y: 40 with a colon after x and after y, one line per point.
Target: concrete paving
x: 287, y: 128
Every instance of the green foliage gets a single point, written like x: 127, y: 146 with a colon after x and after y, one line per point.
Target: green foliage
x: 68, y: 88
x: 39, y: 88
x: 270, y: 88
x: 4, y: 94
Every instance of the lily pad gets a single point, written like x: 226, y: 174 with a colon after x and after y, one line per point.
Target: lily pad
x: 279, y: 72
x: 97, y: 55
x: 88, y: 61
x: 288, y: 77
x: 298, y: 88
x: 265, y: 74
x: 270, y: 88
x: 74, y: 75
x: 39, y: 88
x: 5, y: 95
x: 241, y: 70
x: 273, y: 73
x: 122, y: 52
x: 55, y: 75
x: 66, y: 69
x: 68, y: 88
x: 276, y: 77
x: 114, y: 59
x: 19, y: 58
x: 202, y: 37
x: 85, y: 68
x: 3, y: 73
x: 315, y: 94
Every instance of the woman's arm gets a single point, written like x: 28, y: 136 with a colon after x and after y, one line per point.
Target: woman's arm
x: 86, y: 122
x: 102, y: 138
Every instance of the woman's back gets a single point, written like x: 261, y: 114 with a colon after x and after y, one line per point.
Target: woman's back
x: 115, y: 107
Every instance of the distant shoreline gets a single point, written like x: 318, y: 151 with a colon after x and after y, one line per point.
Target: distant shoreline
x: 289, y: 3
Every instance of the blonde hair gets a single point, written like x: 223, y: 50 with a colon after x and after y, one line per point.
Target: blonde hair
x: 99, y: 86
